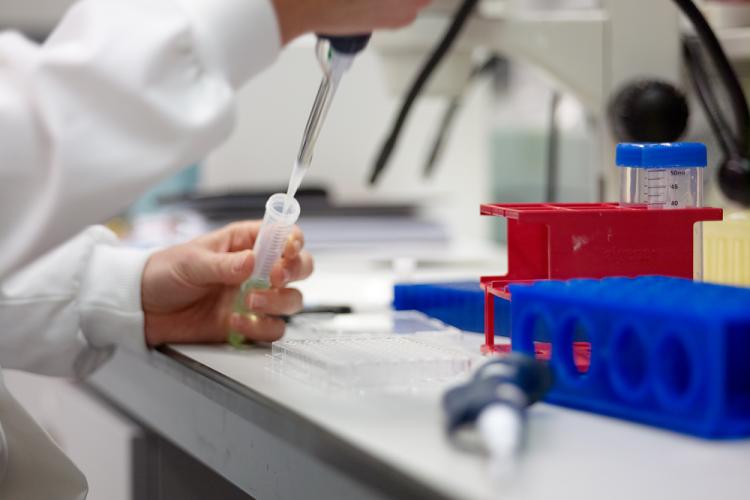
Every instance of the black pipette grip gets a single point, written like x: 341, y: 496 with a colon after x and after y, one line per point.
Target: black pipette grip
x: 531, y: 378
x: 349, y: 44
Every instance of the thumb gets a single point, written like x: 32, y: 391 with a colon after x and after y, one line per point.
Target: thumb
x: 213, y: 268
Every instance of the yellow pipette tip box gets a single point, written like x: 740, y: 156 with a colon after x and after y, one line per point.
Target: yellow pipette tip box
x: 726, y: 250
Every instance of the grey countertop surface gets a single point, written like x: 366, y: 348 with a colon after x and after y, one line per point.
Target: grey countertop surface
x: 281, y: 437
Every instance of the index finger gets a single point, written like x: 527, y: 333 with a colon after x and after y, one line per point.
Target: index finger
x: 233, y: 237
x: 294, y: 244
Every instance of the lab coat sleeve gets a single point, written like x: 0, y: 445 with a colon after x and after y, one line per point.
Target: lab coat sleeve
x: 123, y: 93
x: 64, y: 314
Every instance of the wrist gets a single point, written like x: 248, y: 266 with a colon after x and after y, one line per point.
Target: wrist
x: 110, y: 297
x: 155, y: 295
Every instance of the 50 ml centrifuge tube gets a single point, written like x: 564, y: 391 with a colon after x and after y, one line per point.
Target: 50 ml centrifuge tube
x: 281, y: 214
x: 662, y: 175
x: 665, y: 176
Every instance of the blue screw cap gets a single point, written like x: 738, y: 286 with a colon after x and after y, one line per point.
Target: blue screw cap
x: 662, y: 155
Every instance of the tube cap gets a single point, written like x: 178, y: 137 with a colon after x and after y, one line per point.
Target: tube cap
x: 662, y: 155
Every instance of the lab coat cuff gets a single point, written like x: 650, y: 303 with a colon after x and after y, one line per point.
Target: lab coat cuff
x: 110, y: 299
x: 241, y: 36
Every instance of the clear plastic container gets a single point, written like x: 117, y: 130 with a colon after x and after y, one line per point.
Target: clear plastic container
x: 662, y: 187
x: 373, y: 323
x: 371, y: 362
x: 281, y: 215
x: 665, y: 176
x: 662, y: 176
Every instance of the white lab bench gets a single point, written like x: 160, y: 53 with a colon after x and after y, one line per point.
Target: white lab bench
x: 277, y: 437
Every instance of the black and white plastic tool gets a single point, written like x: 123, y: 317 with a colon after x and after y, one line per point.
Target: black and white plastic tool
x: 495, y: 400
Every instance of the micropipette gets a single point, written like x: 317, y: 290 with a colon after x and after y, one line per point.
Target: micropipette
x: 335, y: 55
x: 495, y: 400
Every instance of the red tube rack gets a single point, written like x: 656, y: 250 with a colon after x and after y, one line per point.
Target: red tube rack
x: 590, y: 240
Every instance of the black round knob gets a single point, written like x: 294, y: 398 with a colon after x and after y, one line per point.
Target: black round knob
x: 348, y: 44
x: 648, y: 111
x: 734, y: 180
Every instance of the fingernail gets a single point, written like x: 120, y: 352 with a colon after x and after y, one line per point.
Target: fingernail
x: 239, y: 262
x: 297, y: 245
x: 286, y: 276
x: 258, y: 301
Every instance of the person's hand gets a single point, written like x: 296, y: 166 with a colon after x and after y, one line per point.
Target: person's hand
x: 187, y: 291
x: 343, y: 17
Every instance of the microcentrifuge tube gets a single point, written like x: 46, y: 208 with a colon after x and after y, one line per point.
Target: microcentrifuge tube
x: 279, y: 219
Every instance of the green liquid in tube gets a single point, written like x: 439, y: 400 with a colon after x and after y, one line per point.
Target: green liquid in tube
x: 237, y: 339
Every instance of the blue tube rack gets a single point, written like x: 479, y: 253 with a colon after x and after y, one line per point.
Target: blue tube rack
x: 666, y: 352
x: 459, y: 304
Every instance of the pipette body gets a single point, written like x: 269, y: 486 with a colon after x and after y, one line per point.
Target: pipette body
x: 335, y: 55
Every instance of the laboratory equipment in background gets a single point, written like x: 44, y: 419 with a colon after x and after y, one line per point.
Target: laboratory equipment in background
x: 621, y: 60
x: 667, y: 352
x: 588, y: 49
x: 733, y: 133
x: 539, y: 143
x: 495, y: 402
x: 382, y: 232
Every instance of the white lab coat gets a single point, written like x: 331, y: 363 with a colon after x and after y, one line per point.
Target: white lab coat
x: 123, y: 93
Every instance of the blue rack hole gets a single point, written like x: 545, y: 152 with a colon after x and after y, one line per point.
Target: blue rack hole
x: 581, y: 338
x: 576, y: 342
x: 675, y: 372
x: 629, y: 363
x: 536, y: 336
